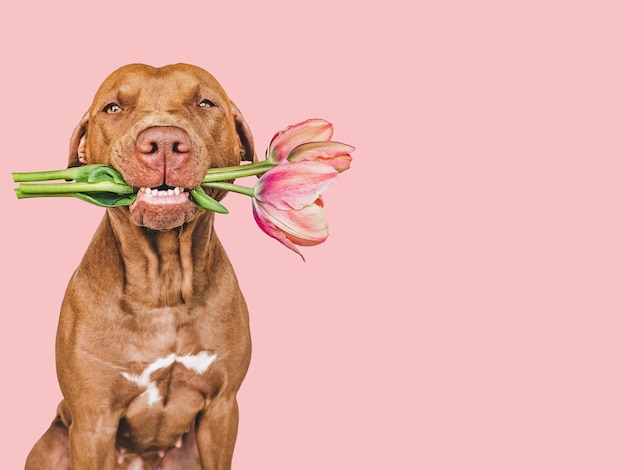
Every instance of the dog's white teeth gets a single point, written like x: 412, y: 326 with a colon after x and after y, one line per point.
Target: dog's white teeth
x: 153, y: 192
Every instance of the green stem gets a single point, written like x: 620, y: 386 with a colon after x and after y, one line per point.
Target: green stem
x: 231, y: 187
x: 262, y: 163
x: 65, y: 174
x: 23, y: 195
x: 95, y: 173
x: 231, y: 173
x: 68, y: 188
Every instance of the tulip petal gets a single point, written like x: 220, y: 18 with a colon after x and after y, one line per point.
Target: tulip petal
x: 283, y: 142
x: 308, y: 226
x: 334, y: 154
x: 305, y: 227
x: 294, y: 185
x: 263, y: 221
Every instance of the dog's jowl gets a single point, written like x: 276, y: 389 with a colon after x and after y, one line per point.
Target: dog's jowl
x: 153, y: 340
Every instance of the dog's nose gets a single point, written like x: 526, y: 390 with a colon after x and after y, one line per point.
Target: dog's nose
x: 164, y: 148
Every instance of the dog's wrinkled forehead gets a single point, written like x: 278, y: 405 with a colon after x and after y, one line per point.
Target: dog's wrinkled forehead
x: 161, y: 88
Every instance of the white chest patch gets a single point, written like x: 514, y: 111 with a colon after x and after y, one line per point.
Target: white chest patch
x: 199, y: 363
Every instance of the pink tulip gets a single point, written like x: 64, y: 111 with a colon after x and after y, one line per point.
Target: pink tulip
x: 287, y: 204
x: 283, y: 142
x: 334, y: 154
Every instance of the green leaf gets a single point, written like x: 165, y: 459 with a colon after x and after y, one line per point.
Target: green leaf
x: 107, y: 199
x: 204, y: 201
x: 99, y: 173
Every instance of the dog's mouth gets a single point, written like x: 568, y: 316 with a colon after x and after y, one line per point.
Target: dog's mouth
x: 163, y: 194
x: 162, y: 207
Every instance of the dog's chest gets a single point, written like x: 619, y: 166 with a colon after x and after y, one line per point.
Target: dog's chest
x: 167, y: 353
x: 164, y: 397
x: 158, y: 378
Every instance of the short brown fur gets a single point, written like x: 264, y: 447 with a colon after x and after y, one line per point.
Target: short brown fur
x: 154, y: 281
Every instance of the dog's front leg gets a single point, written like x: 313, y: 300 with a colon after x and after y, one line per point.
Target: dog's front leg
x: 92, y: 442
x: 217, y: 431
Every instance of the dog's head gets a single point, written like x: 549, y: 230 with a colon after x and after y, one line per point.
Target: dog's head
x: 162, y: 129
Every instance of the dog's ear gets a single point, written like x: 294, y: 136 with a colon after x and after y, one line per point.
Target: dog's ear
x: 77, y: 143
x: 245, y: 135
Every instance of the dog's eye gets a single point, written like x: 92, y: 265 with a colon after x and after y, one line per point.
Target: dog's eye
x: 206, y: 104
x: 112, y: 108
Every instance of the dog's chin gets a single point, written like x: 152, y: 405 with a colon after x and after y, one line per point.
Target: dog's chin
x: 162, y: 211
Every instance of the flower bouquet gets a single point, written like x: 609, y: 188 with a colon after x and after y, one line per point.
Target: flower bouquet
x: 300, y: 163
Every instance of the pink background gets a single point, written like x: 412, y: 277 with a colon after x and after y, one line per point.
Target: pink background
x: 468, y: 309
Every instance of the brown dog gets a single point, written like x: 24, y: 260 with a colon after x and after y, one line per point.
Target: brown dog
x: 153, y: 340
